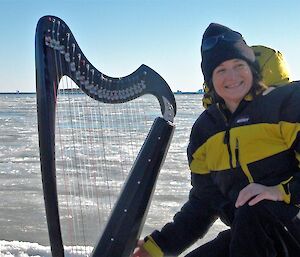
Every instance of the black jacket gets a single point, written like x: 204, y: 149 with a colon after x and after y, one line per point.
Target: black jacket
x: 258, y: 143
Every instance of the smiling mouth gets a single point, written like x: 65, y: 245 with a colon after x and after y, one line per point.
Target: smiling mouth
x: 234, y: 86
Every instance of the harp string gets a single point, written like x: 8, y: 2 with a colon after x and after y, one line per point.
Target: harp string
x: 92, y: 139
x: 69, y: 186
x: 77, y: 223
x: 73, y: 171
x: 64, y: 163
x: 66, y: 167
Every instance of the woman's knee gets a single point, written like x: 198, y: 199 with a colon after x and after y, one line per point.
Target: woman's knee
x: 251, y: 216
x: 245, y: 213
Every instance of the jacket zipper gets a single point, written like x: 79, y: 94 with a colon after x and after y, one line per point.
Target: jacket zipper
x: 244, y: 166
x: 227, y: 137
x: 227, y: 142
x: 236, y: 150
x: 237, y: 153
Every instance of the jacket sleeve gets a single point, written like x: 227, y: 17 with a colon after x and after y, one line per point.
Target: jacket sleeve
x: 204, y: 206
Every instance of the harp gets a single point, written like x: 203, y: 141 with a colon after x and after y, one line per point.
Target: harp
x: 59, y: 60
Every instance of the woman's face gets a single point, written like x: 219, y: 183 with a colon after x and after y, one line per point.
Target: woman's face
x: 232, y: 81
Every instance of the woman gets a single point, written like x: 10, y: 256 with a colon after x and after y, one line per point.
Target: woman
x: 244, y: 156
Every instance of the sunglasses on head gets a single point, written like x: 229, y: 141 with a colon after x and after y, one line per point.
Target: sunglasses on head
x: 211, y: 42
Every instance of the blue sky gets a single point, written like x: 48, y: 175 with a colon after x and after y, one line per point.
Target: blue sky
x: 118, y: 36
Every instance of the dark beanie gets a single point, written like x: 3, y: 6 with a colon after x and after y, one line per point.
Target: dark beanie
x: 223, y: 50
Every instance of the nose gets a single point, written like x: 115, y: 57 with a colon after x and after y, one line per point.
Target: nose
x: 231, y: 74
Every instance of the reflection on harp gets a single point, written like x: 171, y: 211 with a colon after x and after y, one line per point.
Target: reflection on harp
x: 100, y: 150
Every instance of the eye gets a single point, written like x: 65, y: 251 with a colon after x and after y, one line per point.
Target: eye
x: 240, y: 66
x: 220, y: 70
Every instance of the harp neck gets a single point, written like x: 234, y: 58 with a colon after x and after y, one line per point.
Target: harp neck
x: 58, y: 50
